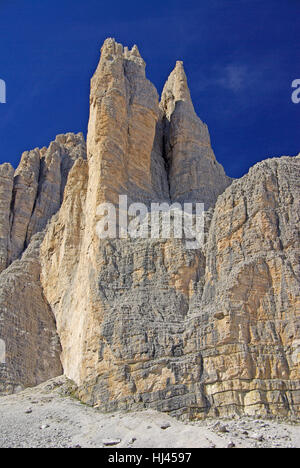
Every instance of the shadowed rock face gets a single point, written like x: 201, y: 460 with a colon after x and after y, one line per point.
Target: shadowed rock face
x: 37, y: 189
x: 27, y: 325
x: 28, y: 199
x: 6, y: 187
x: 194, y: 173
x: 247, y: 323
x: 147, y: 322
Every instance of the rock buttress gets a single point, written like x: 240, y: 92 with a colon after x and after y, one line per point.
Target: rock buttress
x: 148, y: 323
x: 193, y: 171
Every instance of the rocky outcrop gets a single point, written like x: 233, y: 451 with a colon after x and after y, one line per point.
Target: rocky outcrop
x: 65, y: 262
x: 124, y: 113
x: 28, y: 199
x: 56, y: 162
x: 27, y: 325
x: 194, y: 173
x: 6, y: 187
x: 211, y: 332
x: 24, y: 194
x: 141, y: 320
x: 148, y: 322
x: 38, y: 188
x: 247, y: 323
x: 123, y: 148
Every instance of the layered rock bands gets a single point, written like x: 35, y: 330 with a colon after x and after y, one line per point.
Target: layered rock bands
x: 140, y: 323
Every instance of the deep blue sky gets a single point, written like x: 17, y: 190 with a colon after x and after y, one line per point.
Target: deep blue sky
x: 241, y: 57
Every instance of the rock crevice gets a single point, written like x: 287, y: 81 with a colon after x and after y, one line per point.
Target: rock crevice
x: 149, y: 322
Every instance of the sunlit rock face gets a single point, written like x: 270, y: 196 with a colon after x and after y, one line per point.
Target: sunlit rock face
x: 33, y: 193
x: 27, y: 325
x: 247, y: 321
x: 141, y: 322
x: 194, y: 173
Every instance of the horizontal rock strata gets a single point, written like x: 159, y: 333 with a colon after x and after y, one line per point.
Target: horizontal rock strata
x: 150, y: 322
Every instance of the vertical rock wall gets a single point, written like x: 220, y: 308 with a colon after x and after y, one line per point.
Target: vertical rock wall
x: 29, y: 197
x: 148, y: 322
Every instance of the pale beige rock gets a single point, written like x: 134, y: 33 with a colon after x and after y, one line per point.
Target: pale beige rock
x: 123, y: 158
x: 6, y: 187
x: 27, y: 325
x: 148, y: 322
x: 248, y: 323
x: 124, y: 113
x: 24, y: 194
x: 194, y: 174
x: 153, y: 324
x: 48, y: 196
x: 38, y: 189
x: 72, y: 147
x: 55, y: 165
x: 39, y: 186
x: 62, y: 257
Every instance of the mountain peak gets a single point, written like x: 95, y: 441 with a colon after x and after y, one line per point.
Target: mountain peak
x: 175, y: 89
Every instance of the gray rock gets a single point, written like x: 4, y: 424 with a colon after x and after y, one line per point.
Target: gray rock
x: 111, y: 442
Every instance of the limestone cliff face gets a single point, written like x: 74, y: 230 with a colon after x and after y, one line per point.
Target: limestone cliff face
x: 211, y: 332
x: 247, y: 324
x: 149, y: 322
x: 28, y: 199
x: 6, y: 186
x: 24, y: 194
x: 55, y: 164
x: 31, y: 195
x: 38, y: 188
x: 124, y: 113
x: 66, y: 263
x: 124, y: 158
x: 194, y: 173
x: 27, y: 325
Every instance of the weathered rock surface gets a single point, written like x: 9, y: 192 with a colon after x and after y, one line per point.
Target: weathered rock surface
x: 55, y: 164
x: 210, y: 332
x: 149, y: 322
x: 27, y: 325
x: 47, y: 417
x: 247, y: 324
x: 38, y: 188
x: 124, y: 112
x: 65, y: 261
x: 24, y: 194
x: 28, y: 200
x: 194, y: 173
x: 6, y: 186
